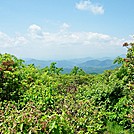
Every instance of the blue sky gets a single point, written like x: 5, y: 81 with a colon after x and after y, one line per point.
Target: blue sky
x: 64, y: 29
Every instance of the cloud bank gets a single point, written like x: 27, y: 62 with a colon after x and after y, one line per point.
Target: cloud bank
x: 38, y: 43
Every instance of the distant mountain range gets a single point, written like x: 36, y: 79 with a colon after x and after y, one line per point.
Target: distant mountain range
x: 89, y: 65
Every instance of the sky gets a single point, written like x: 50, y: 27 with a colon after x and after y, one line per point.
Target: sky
x: 65, y: 29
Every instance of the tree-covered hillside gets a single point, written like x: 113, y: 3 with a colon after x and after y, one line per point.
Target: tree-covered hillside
x: 89, y: 65
x: 44, y: 101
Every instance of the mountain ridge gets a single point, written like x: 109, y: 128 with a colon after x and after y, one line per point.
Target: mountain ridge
x: 88, y: 64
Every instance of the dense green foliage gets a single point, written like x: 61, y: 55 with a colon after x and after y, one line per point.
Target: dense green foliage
x: 34, y: 100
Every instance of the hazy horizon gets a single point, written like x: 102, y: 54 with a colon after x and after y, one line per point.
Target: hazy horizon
x: 66, y: 59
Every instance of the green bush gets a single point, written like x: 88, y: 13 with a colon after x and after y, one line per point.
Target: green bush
x: 34, y: 100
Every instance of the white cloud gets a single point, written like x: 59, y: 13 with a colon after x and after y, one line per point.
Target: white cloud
x: 11, y: 42
x: 34, y: 28
x: 64, y: 27
x: 4, y: 40
x: 35, y: 31
x: 38, y: 43
x: 87, y: 5
x: 131, y: 36
x: 19, y: 40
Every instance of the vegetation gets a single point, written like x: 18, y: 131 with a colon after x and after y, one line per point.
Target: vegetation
x: 44, y: 101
